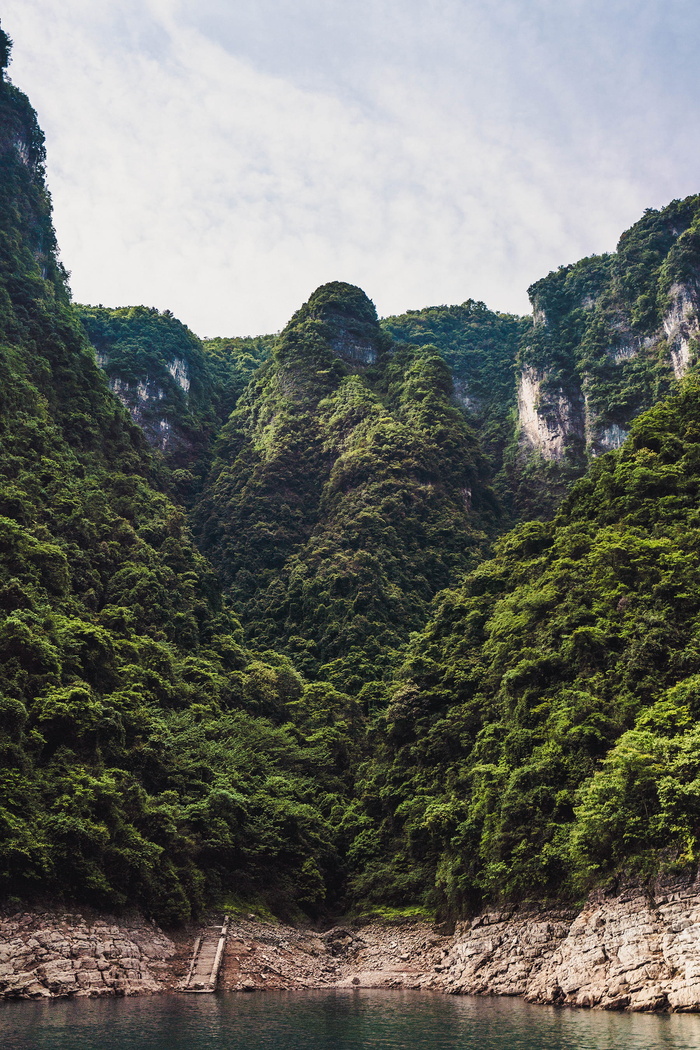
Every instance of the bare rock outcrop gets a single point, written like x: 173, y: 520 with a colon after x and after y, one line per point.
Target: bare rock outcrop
x: 638, y: 950
x: 548, y: 419
x: 681, y: 325
x: 370, y: 955
x: 552, y: 419
x: 50, y: 955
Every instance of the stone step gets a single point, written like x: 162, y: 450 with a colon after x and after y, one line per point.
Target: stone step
x: 206, y: 959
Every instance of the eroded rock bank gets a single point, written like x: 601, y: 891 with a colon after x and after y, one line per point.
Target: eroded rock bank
x: 633, y: 950
x: 637, y: 950
x: 369, y: 955
x: 54, y: 954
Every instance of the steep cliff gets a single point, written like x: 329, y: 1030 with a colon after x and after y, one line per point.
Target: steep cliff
x: 610, y: 336
x: 156, y: 367
x: 143, y: 755
x: 177, y: 388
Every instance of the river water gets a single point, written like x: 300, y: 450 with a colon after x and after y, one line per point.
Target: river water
x: 337, y: 1020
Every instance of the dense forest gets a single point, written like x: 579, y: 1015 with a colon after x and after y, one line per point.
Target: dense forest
x: 149, y: 758
x: 368, y: 614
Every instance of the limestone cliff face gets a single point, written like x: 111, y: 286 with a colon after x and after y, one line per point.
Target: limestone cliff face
x: 610, y: 336
x: 552, y: 419
x: 348, y: 321
x: 158, y: 370
x: 47, y: 955
x: 681, y: 326
x: 636, y: 950
x: 558, y: 423
x: 548, y: 419
x: 145, y: 400
x: 355, y: 348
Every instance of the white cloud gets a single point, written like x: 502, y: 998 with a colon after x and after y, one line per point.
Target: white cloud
x: 222, y: 161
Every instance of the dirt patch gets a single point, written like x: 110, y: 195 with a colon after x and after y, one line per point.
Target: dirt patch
x: 267, y: 955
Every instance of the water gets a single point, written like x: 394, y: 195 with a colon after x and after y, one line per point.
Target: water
x: 338, y: 1020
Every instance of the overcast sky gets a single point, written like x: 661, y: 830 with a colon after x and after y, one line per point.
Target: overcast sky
x: 222, y: 158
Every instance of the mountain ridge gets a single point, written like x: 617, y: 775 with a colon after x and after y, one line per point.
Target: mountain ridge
x: 343, y: 694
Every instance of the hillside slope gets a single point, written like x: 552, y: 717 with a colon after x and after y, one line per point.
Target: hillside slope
x: 543, y: 736
x: 146, y: 757
x: 347, y: 489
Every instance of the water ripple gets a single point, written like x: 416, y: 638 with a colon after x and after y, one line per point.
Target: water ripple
x: 337, y: 1020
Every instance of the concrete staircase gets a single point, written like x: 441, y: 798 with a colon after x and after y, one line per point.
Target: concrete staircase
x: 206, y: 959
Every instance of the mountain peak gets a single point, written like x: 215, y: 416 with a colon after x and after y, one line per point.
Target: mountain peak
x: 351, y: 317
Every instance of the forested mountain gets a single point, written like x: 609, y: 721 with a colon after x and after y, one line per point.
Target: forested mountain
x: 481, y: 350
x: 347, y: 489
x: 543, y: 733
x: 147, y: 757
x: 340, y: 691
x: 178, y: 389
x: 610, y: 336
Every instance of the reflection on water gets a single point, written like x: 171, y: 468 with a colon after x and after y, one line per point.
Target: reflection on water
x: 332, y: 1020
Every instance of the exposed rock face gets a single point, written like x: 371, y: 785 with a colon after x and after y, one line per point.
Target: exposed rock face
x: 374, y: 955
x: 354, y: 348
x: 635, y: 951
x: 141, y: 400
x: 158, y: 370
x: 51, y: 955
x: 548, y: 420
x: 609, y: 336
x: 350, y: 321
x: 505, y: 953
x: 465, y: 397
x: 611, y: 437
x: 179, y: 371
x: 681, y: 325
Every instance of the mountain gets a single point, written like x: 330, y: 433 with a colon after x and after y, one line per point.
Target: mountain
x: 266, y: 630
x: 148, y: 758
x: 611, y: 335
x: 608, y: 338
x: 347, y: 489
x: 178, y: 389
x: 481, y: 350
x: 542, y: 736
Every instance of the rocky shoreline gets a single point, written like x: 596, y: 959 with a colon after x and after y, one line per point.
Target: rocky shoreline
x: 53, y: 954
x: 634, y: 950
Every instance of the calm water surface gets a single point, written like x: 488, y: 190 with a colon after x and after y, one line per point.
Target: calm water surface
x: 339, y: 1020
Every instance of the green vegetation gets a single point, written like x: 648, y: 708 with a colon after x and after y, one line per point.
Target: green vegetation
x: 360, y: 701
x: 347, y: 489
x: 147, y: 757
x: 598, y: 343
x: 543, y: 733
x: 232, y: 363
x: 178, y: 389
x: 481, y: 349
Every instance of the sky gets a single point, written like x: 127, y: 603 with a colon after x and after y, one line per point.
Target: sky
x: 223, y: 158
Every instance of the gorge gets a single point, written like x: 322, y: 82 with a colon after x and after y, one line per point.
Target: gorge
x: 373, y: 621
